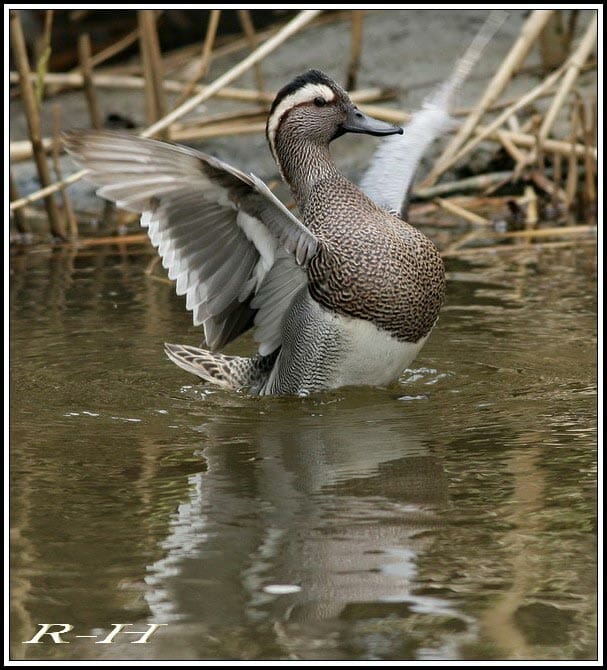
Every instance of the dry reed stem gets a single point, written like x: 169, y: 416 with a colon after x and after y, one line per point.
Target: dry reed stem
x: 252, y: 114
x: 555, y: 146
x: 162, y: 280
x: 136, y: 238
x: 110, y: 51
x: 355, y: 48
x: 365, y: 95
x: 20, y: 150
x: 545, y: 232
x: 573, y: 65
x: 385, y: 113
x: 548, y: 185
x: 517, y: 156
x: 502, y: 104
x: 460, y: 211
x: 205, y: 56
x: 536, y: 155
x: 572, y: 167
x: 13, y: 194
x: 529, y: 33
x: 209, y: 41
x: 493, y: 203
x: 216, y: 130
x: 471, y: 235
x: 479, y: 182
x: 151, y: 265
x: 151, y: 110
x: 246, y: 23
x: 512, y: 248
x: 490, y: 190
x: 174, y: 61
x: 44, y: 54
x: 457, y: 248
x: 529, y: 125
x: 519, y: 167
x: 557, y: 162
x: 531, y: 214
x: 57, y: 145
x: 84, y: 53
x: 152, y: 62
x: 156, y: 58
x: 591, y: 166
x: 532, y: 124
x: 33, y: 120
x: 261, y: 52
x: 588, y: 126
x: 513, y: 122
x: 47, y: 190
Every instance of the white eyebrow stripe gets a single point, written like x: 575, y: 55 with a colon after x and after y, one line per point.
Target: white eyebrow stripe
x: 306, y: 93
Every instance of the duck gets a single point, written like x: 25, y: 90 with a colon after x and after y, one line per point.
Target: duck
x: 345, y: 293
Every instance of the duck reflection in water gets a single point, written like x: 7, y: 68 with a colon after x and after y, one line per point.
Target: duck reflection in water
x: 312, y: 526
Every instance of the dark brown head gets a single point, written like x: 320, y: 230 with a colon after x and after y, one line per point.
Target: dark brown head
x: 315, y: 108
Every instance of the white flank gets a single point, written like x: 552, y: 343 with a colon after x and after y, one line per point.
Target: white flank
x: 305, y: 94
x: 373, y: 356
x: 367, y: 355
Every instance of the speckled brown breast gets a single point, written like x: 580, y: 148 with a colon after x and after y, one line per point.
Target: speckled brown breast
x: 372, y: 265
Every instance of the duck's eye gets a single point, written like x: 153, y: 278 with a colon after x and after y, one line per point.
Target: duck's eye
x: 320, y: 102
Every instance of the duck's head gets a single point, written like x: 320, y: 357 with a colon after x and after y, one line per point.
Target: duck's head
x: 316, y: 109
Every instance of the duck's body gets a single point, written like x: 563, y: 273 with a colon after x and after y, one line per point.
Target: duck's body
x: 347, y: 295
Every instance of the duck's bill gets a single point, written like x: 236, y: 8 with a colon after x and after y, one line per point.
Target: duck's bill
x: 357, y: 122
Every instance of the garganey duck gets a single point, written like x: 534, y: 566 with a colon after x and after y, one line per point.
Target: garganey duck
x: 345, y: 294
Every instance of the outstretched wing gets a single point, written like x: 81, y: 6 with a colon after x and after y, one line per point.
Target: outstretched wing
x: 217, y: 229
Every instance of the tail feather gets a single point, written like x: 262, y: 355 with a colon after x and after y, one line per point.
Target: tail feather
x: 229, y: 372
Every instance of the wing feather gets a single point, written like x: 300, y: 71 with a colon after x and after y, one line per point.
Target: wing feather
x: 280, y: 286
x: 222, y: 234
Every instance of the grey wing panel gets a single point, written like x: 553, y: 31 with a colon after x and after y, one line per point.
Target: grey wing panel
x: 279, y: 288
x: 217, y: 229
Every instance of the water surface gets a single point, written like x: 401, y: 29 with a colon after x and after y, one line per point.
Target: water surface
x: 451, y: 516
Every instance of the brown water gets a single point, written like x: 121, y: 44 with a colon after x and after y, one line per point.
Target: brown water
x: 452, y: 516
